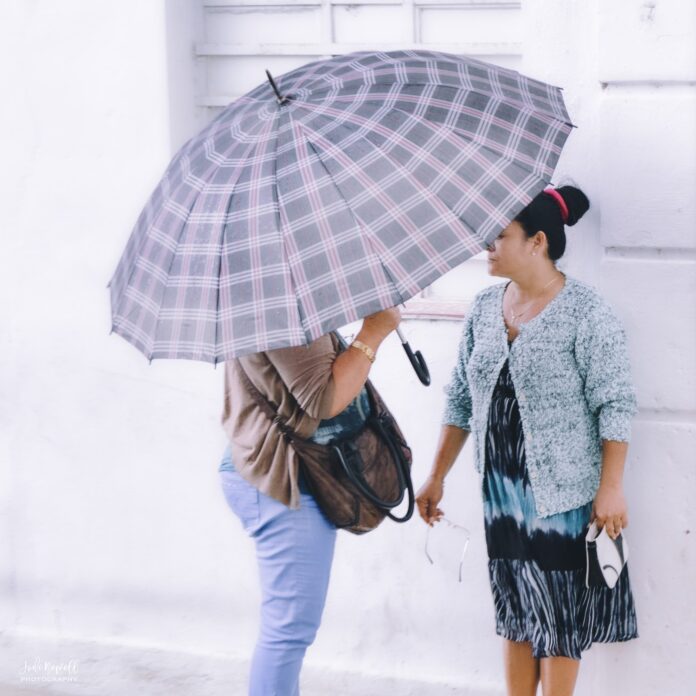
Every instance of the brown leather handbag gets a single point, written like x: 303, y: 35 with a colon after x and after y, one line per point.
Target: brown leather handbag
x: 357, y: 480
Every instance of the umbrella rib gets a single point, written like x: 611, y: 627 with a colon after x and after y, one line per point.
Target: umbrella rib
x: 146, y: 237
x: 280, y: 218
x: 219, y: 276
x: 389, y: 58
x: 364, y: 238
x: 269, y: 126
x: 248, y: 150
x: 369, y: 124
x: 405, y: 143
x: 220, y: 124
x: 368, y: 237
x: 352, y: 117
x: 541, y: 112
x: 512, y: 199
x: 349, y: 94
x: 501, y: 152
x: 184, y: 152
x: 465, y: 231
x: 485, y: 145
x: 292, y: 271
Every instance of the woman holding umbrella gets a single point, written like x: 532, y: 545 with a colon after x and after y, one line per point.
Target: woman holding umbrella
x: 543, y: 381
x: 320, y: 394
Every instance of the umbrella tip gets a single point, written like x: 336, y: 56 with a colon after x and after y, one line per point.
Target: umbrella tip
x: 279, y: 97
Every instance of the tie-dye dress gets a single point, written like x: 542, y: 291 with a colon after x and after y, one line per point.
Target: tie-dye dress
x: 536, y: 565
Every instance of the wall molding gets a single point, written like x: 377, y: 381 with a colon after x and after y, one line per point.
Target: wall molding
x: 224, y: 5
x: 629, y: 84
x: 435, y: 309
x: 675, y: 254
x: 204, y: 50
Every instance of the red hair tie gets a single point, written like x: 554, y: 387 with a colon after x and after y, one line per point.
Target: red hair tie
x: 561, y: 203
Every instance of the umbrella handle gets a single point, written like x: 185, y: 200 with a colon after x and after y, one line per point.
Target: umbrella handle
x: 416, y: 359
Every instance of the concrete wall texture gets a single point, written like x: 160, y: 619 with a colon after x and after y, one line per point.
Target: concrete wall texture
x: 114, y: 536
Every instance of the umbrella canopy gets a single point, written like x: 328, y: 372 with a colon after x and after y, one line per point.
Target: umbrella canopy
x: 348, y: 188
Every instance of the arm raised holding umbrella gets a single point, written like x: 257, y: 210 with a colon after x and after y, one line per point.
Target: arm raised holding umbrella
x: 352, y: 366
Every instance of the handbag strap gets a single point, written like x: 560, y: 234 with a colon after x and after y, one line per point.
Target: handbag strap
x: 265, y: 404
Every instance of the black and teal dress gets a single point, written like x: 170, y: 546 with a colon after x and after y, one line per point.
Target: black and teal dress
x: 536, y: 565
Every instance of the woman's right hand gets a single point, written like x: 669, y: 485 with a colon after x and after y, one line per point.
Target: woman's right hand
x: 428, y: 499
x: 382, y: 323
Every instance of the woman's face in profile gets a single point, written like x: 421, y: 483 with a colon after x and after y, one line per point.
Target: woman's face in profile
x: 509, y: 251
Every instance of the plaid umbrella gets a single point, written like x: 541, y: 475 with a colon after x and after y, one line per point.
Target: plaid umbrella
x: 347, y: 188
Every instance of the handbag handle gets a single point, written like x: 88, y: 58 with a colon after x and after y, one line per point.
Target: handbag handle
x: 402, y: 472
x: 406, y: 478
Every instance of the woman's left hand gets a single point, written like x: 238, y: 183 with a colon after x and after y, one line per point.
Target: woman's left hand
x: 609, y: 509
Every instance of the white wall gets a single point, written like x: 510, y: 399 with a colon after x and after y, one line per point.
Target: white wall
x: 113, y: 527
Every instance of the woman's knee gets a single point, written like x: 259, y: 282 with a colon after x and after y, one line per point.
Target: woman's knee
x: 288, y: 634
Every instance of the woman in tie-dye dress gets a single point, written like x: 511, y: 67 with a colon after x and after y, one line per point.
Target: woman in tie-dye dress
x: 543, y: 382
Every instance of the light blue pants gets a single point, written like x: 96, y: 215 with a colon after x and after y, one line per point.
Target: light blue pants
x: 294, y: 551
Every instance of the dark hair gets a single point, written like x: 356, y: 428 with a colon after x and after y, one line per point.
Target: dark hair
x: 544, y: 213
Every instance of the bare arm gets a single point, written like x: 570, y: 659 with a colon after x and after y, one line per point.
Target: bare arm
x: 452, y: 440
x: 351, y: 368
x: 450, y: 444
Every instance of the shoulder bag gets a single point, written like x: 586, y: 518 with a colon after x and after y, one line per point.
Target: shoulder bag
x: 356, y: 480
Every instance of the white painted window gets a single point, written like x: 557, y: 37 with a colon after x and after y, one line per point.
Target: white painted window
x: 239, y: 39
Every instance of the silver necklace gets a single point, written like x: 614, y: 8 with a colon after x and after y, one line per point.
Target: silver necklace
x: 516, y: 315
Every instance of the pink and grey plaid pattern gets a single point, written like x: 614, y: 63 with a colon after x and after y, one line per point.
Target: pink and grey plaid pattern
x: 279, y: 223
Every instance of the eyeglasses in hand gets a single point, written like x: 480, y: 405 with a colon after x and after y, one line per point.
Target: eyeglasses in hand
x: 442, y: 538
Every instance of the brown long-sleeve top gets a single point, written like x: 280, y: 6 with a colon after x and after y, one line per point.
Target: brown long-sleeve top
x: 298, y: 382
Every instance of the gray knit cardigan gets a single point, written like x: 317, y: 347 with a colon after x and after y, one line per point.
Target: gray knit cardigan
x: 571, y: 372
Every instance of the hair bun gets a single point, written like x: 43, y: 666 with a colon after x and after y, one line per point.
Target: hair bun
x: 576, y: 201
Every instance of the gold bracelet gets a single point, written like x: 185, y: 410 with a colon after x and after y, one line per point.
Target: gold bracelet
x: 364, y: 348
